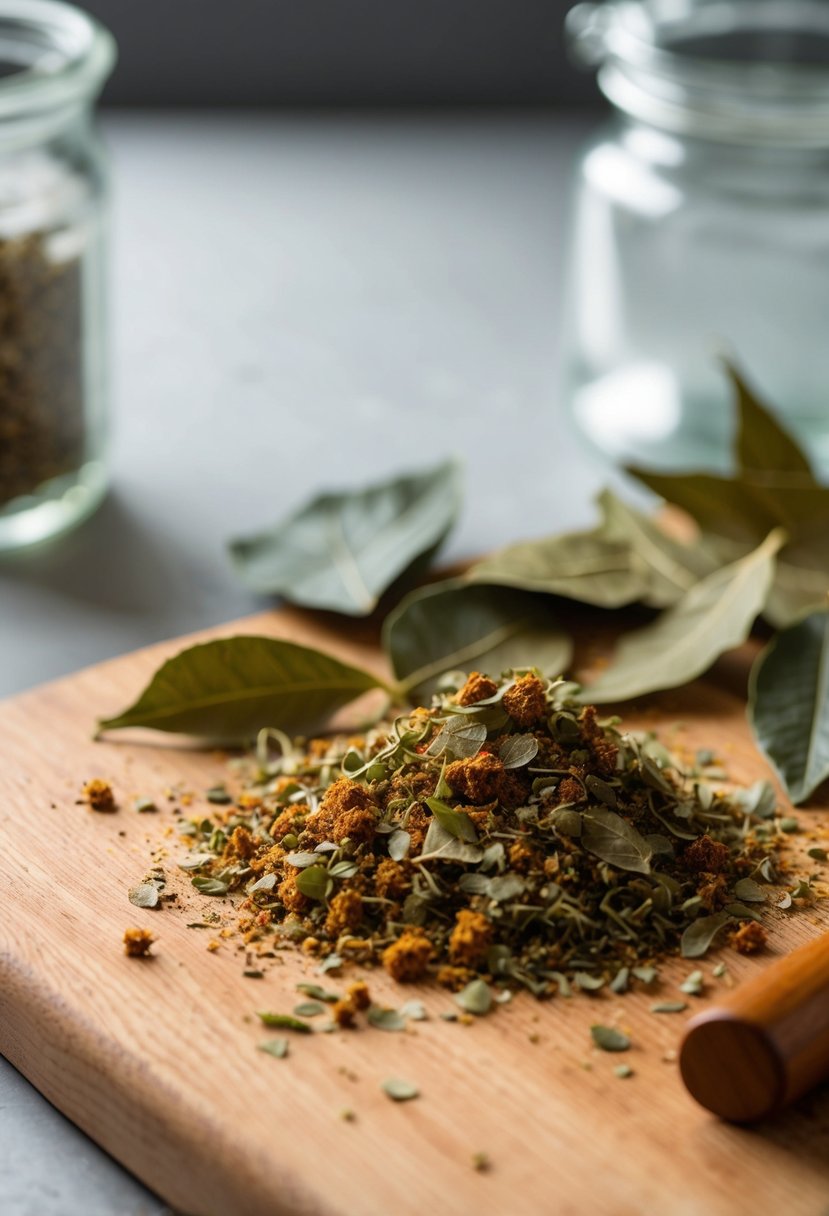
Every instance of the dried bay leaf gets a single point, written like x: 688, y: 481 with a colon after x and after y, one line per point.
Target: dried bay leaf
x: 789, y: 705
x: 612, y: 839
x: 761, y: 442
x: 230, y: 688
x: 458, y: 626
x: 343, y: 550
x: 584, y: 566
x: 670, y: 568
x: 714, y: 616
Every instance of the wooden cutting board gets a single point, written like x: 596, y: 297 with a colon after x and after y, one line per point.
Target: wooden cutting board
x: 157, y: 1059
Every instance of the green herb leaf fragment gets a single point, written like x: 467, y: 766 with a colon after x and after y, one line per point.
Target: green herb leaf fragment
x: 699, y: 935
x: 609, y: 1039
x: 608, y: 836
x: 318, y: 994
x: 414, y: 1010
x: 315, y: 882
x: 669, y: 1007
x: 309, y: 1009
x: 385, y: 1019
x: 749, y: 891
x: 210, y: 886
x: 456, y: 823
x: 275, y: 1047
x: 475, y: 998
x: 145, y: 895
x: 623, y: 1071
x: 284, y: 1021
x: 399, y: 1090
x: 647, y: 975
x: 518, y: 750
x: 694, y: 983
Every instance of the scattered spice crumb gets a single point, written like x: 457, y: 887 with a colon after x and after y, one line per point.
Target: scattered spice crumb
x: 750, y: 938
x: 138, y: 942
x: 481, y: 1162
x: 98, y: 794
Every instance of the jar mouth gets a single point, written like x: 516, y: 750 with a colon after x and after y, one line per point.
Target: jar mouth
x: 52, y: 56
x: 756, y: 70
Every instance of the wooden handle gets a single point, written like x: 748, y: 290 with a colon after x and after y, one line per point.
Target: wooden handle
x: 765, y: 1045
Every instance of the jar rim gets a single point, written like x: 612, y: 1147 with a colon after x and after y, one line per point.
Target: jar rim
x: 763, y: 99
x: 59, y: 54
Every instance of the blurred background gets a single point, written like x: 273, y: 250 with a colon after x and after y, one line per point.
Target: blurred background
x: 314, y: 53
x: 335, y: 254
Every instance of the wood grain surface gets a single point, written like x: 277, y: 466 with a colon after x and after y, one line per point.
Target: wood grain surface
x: 157, y: 1059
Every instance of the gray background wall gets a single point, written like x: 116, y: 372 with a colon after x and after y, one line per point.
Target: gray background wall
x: 341, y: 52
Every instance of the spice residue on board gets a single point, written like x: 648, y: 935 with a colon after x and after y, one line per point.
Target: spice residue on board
x: 505, y: 833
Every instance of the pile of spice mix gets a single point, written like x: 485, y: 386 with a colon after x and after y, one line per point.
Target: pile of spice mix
x: 506, y: 833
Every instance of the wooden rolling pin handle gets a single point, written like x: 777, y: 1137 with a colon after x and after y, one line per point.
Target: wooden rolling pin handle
x: 767, y: 1043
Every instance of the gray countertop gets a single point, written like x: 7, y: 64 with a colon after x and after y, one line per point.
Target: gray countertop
x: 298, y: 303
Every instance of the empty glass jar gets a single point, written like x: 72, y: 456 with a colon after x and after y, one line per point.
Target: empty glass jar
x: 53, y: 383
x: 701, y: 225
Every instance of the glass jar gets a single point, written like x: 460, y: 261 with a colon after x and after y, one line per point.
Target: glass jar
x: 53, y: 349
x: 701, y: 226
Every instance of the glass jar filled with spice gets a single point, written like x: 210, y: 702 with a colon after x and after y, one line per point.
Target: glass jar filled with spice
x: 700, y: 225
x: 53, y: 350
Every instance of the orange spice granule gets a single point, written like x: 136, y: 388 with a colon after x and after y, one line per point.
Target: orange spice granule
x: 292, y: 897
x: 137, y: 942
x: 391, y: 880
x: 454, y: 978
x: 346, y: 810
x: 406, y: 959
x: 570, y: 790
x: 476, y: 779
x: 526, y: 700
x: 344, y: 1013
x: 477, y: 688
x: 345, y: 913
x: 750, y: 938
x: 358, y: 993
x: 98, y: 793
x: 470, y: 939
x: 706, y: 856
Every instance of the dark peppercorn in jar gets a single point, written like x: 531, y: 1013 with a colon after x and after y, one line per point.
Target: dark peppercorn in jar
x: 53, y: 384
